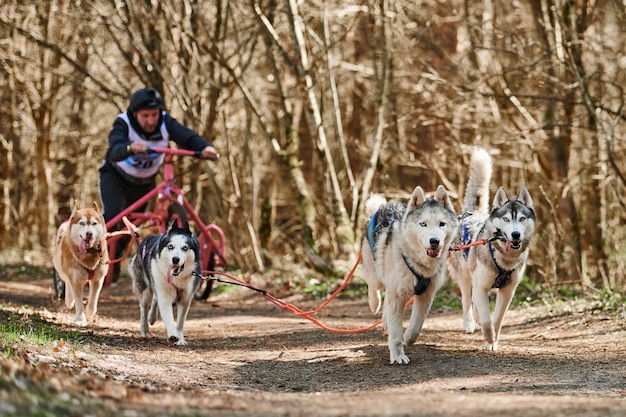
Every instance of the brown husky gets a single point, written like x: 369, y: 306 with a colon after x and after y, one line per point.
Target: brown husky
x: 80, y: 256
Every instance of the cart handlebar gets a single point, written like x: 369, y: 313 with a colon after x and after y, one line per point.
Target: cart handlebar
x: 184, y: 152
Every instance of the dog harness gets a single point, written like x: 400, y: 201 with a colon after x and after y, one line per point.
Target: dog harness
x: 466, y: 234
x: 422, y: 281
x: 179, y: 293
x: 504, y: 276
x: 466, y: 237
x: 91, y: 272
x: 372, y: 229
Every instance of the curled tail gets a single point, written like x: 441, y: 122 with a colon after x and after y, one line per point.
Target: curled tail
x: 373, y: 204
x: 477, y: 191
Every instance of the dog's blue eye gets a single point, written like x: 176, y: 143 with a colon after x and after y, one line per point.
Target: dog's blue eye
x: 506, y: 219
x: 521, y: 219
x: 170, y: 247
x: 423, y: 224
x: 185, y: 248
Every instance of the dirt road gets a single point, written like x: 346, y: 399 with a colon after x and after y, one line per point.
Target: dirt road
x: 246, y: 357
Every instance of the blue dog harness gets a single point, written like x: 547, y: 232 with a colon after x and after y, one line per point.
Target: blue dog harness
x: 466, y: 234
x: 371, y: 228
x: 466, y: 237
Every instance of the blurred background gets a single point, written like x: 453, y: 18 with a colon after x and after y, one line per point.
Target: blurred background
x: 314, y: 105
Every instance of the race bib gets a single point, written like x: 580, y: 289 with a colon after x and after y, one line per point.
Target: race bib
x: 143, y: 161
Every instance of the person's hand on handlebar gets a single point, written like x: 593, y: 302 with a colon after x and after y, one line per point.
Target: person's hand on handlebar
x: 137, y: 147
x: 209, y: 153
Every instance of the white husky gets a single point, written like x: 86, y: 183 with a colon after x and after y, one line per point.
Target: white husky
x: 499, y: 262
x: 404, y: 253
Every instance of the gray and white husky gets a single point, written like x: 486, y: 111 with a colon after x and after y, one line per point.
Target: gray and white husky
x: 404, y: 252
x: 166, y: 270
x: 497, y: 264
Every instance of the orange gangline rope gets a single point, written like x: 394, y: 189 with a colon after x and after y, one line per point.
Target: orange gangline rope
x: 306, y: 314
x: 482, y: 241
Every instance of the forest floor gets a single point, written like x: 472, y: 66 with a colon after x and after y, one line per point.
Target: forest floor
x: 247, y: 357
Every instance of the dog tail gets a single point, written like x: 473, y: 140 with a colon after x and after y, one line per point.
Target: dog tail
x: 373, y: 204
x: 374, y: 299
x: 477, y: 192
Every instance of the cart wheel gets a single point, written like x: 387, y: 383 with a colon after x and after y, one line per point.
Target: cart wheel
x: 206, y: 285
x: 59, y: 286
x: 178, y: 212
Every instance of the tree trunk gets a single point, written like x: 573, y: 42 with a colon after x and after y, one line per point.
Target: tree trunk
x: 342, y: 219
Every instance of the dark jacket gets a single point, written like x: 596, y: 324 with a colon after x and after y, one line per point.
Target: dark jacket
x: 183, y: 136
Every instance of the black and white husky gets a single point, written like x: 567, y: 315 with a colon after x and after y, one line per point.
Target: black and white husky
x: 499, y: 263
x: 166, y: 270
x: 404, y: 252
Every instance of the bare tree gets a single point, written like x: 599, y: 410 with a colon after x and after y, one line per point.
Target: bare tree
x: 316, y: 104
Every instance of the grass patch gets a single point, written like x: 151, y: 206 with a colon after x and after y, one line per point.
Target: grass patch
x: 24, y: 272
x: 448, y: 297
x: 605, y: 300
x: 30, y: 387
x: 356, y: 288
x: 608, y: 301
x: 224, y: 287
x: 23, y: 329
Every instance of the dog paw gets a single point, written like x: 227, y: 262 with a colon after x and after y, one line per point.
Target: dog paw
x: 181, y: 342
x: 81, y: 320
x: 469, y: 327
x: 410, y: 339
x: 401, y: 359
x: 492, y: 347
x: 173, y: 339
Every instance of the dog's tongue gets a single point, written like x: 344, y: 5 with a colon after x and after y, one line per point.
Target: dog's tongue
x: 82, y: 248
x: 433, y: 253
x: 508, y: 245
x: 173, y: 270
